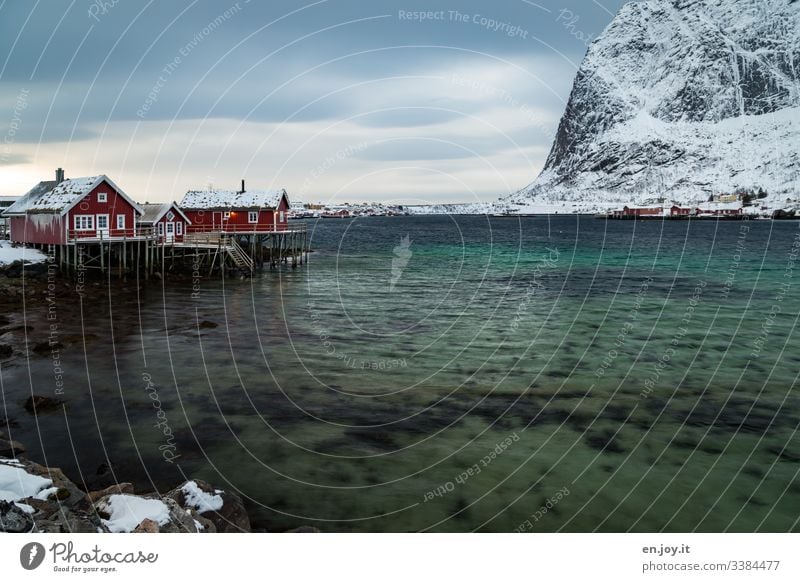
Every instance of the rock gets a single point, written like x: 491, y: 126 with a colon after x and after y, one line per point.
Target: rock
x: 230, y: 518
x: 180, y: 521
x: 304, y: 529
x: 11, y: 449
x: 119, y: 489
x: 13, y: 519
x: 67, y: 521
x: 205, y: 324
x: 37, y: 404
x: 47, y: 348
x: 6, y: 351
x: 203, y: 524
x: 147, y: 526
x: 68, y: 495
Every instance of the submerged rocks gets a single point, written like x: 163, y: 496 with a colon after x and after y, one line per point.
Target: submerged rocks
x: 10, y: 448
x: 36, y: 404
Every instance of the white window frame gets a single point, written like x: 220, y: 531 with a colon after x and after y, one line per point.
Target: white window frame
x: 179, y: 228
x: 83, y: 222
x: 252, y: 217
x: 102, y: 196
x: 282, y: 216
x: 120, y: 222
x: 160, y: 229
x: 226, y: 215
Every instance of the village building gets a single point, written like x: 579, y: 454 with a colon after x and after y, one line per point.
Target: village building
x: 58, y: 211
x: 242, y: 211
x: 167, y: 221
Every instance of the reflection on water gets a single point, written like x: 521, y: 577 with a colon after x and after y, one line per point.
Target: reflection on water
x: 452, y: 374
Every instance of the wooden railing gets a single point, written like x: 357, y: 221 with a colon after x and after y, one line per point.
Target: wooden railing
x: 244, y: 228
x: 111, y: 233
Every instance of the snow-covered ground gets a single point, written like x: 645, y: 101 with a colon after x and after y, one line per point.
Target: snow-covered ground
x: 9, y: 254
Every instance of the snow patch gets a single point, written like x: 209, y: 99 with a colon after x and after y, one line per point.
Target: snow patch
x: 9, y: 254
x: 16, y: 483
x: 128, y: 511
x: 199, y: 499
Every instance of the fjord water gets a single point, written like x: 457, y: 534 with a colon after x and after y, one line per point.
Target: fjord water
x: 453, y: 374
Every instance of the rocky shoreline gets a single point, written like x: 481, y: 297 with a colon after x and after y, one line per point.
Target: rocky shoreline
x: 39, y: 499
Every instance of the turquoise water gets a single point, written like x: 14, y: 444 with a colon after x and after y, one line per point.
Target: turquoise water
x: 543, y: 374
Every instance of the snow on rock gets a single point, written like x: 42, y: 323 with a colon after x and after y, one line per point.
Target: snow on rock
x: 128, y: 511
x: 200, y: 500
x: 16, y: 483
x: 9, y: 254
x: 679, y: 100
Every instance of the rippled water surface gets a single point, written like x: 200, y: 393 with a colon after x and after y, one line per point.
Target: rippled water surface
x: 541, y: 374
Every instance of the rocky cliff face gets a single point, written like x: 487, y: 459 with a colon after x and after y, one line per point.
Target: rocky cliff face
x: 679, y: 99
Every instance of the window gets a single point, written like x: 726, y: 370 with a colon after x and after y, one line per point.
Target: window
x: 170, y: 215
x: 252, y: 217
x: 161, y: 228
x: 227, y: 215
x: 282, y: 216
x: 84, y: 222
x: 102, y: 222
x: 102, y: 197
x: 120, y: 221
x: 178, y: 228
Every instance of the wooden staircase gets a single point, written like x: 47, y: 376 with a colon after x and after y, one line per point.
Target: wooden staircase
x: 237, y: 254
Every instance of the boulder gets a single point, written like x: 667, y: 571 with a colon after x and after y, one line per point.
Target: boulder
x: 147, y: 526
x: 178, y: 521
x: 67, y: 494
x: 47, y: 348
x: 11, y: 449
x: 13, y: 519
x: 6, y: 351
x: 37, y: 404
x: 230, y: 518
x: 119, y: 488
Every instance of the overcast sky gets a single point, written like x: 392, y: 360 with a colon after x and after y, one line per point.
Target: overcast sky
x: 335, y: 100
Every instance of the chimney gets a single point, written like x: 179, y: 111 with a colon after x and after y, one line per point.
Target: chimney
x: 242, y: 190
x: 59, y: 176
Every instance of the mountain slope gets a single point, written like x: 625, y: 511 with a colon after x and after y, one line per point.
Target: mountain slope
x: 679, y: 99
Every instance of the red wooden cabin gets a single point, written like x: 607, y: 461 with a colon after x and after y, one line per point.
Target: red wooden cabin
x: 60, y: 210
x: 243, y: 211
x: 167, y: 220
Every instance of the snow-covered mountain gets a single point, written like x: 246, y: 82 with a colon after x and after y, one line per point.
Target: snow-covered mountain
x: 680, y: 99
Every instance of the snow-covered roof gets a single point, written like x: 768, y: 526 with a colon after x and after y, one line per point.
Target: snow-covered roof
x: 208, y: 199
x: 52, y: 197
x: 154, y: 212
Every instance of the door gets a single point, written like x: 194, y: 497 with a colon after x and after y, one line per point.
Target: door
x: 102, y: 225
x: 216, y: 220
x: 170, y: 236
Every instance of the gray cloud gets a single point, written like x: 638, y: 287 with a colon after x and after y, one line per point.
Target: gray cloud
x: 162, y: 63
